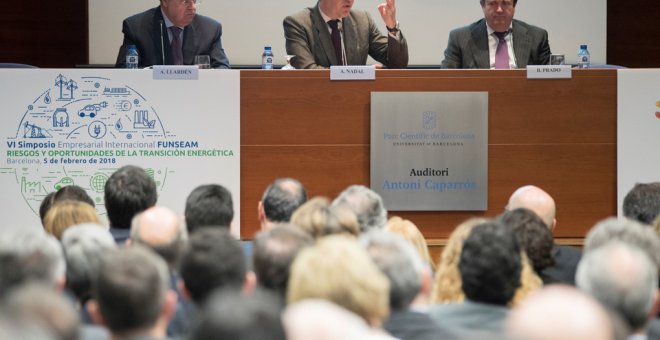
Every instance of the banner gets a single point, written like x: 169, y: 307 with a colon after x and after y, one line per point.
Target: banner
x: 64, y: 127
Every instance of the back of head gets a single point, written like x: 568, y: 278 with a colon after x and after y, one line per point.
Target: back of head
x: 161, y: 230
x: 399, y: 261
x: 274, y: 252
x: 337, y: 269
x: 45, y: 205
x: 366, y: 204
x: 490, y: 264
x: 323, y: 320
x: 282, y: 198
x: 130, y: 289
x: 230, y: 316
x: 627, y: 231
x: 532, y: 235
x: 29, y: 255
x: 559, y: 312
x: 411, y: 233
x: 642, y: 202
x: 209, y: 205
x: 42, y: 305
x: 318, y: 218
x: 212, y: 259
x: 128, y: 191
x: 73, y: 193
x: 535, y: 199
x: 84, y: 246
x: 64, y: 214
x: 622, y: 278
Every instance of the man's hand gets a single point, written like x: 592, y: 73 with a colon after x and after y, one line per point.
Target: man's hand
x: 388, y: 13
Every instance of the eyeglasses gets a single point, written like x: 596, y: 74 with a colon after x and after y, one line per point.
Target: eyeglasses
x: 190, y: 2
x: 497, y: 4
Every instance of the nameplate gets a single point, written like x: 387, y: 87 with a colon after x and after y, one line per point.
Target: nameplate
x: 177, y: 72
x: 548, y: 71
x: 353, y: 72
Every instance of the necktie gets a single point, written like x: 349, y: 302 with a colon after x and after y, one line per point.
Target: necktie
x: 502, y: 52
x: 177, y: 52
x: 336, y: 40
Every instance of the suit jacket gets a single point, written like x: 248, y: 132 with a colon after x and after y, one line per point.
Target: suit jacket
x: 566, y: 262
x: 469, y: 317
x: 308, y: 38
x: 412, y: 325
x: 202, y: 36
x: 468, y: 46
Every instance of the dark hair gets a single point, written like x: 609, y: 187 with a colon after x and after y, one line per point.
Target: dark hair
x: 532, y: 235
x: 213, y: 259
x: 282, y: 198
x: 230, y: 316
x: 490, y: 264
x: 73, y: 193
x: 274, y: 251
x: 130, y: 289
x: 128, y: 191
x: 209, y: 205
x: 45, y: 205
x: 515, y: 2
x: 642, y: 203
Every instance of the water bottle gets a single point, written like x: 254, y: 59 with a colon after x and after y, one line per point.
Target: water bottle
x: 267, y: 59
x: 584, y: 58
x: 132, y: 57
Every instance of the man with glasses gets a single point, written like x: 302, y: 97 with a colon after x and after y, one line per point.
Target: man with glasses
x: 173, y: 34
x: 498, y: 41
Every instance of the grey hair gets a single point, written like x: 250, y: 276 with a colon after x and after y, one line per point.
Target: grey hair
x: 366, y: 204
x: 627, y: 231
x: 623, y: 278
x: 399, y: 261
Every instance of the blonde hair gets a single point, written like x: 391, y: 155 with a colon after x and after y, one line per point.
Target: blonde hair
x: 68, y: 213
x: 411, y: 233
x: 318, y: 218
x: 338, y: 270
x: 448, y: 286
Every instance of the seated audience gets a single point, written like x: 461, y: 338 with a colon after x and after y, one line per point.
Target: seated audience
x: 410, y: 232
x: 627, y: 231
x: 209, y: 205
x: 279, y: 201
x: 65, y: 214
x: 366, y: 204
x: 532, y: 235
x: 642, y: 202
x: 318, y: 218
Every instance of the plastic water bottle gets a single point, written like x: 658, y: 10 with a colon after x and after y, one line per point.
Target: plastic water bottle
x: 132, y: 57
x: 584, y: 58
x: 267, y: 59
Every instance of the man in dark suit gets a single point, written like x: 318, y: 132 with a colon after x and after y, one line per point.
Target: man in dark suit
x: 331, y: 33
x: 478, y: 45
x: 173, y: 23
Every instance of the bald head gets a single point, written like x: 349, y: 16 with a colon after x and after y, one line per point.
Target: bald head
x: 559, y: 312
x: 536, y: 200
x: 160, y: 229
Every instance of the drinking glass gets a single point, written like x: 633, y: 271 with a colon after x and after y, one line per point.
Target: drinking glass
x: 288, y: 65
x: 203, y: 61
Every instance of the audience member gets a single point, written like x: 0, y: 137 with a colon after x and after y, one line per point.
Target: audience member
x: 318, y: 218
x: 212, y: 260
x: 231, y: 316
x: 128, y: 191
x: 497, y: 41
x: 209, y: 205
x: 366, y: 204
x: 560, y: 312
x: 279, y: 201
x: 28, y: 255
x: 161, y: 230
x: 533, y: 236
x: 331, y: 33
x: 627, y: 231
x: 131, y: 296
x: 274, y: 252
x: 642, y: 202
x: 622, y: 278
x: 172, y: 34
x: 566, y: 258
x: 490, y: 266
x: 73, y: 193
x: 64, y: 214
x: 45, y: 205
x: 410, y: 232
x: 408, y: 277
x: 337, y: 269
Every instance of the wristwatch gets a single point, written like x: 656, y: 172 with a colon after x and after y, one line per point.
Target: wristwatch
x: 394, y: 29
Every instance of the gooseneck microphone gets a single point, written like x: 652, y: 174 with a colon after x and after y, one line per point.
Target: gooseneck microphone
x: 162, y: 41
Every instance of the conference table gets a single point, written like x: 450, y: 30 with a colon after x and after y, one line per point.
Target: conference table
x: 558, y: 134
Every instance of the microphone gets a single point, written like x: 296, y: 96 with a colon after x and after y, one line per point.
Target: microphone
x: 162, y: 41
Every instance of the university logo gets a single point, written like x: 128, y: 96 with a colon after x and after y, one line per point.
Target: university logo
x: 429, y: 120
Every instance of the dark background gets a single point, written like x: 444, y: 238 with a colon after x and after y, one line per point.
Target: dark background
x: 54, y: 33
